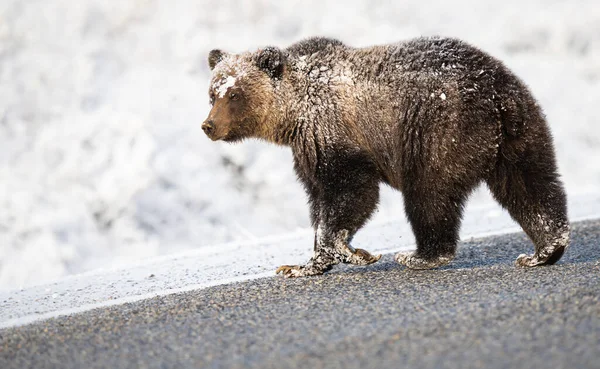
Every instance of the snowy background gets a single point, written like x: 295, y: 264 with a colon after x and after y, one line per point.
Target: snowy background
x: 102, y: 160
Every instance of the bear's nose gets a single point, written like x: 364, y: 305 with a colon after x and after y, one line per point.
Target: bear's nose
x: 208, y: 127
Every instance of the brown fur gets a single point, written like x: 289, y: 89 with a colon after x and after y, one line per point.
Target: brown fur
x: 430, y: 117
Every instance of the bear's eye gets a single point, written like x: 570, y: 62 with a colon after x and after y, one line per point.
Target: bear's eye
x: 233, y: 96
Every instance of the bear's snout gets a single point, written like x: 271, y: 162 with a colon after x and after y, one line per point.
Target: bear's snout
x: 208, y: 127
x: 213, y: 130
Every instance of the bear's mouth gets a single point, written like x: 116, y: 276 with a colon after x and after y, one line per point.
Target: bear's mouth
x: 212, y: 131
x: 231, y: 138
x: 216, y: 135
x: 213, y: 136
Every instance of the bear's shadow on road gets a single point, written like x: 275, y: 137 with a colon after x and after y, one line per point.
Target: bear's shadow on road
x: 491, y: 252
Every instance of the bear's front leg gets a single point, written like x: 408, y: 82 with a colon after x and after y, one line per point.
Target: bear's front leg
x: 331, y: 248
x: 342, y: 195
x: 348, y: 254
x: 317, y: 265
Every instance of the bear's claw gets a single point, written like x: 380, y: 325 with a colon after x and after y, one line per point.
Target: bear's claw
x: 410, y: 260
x: 362, y: 257
x: 320, y: 264
x: 295, y: 271
x: 525, y: 260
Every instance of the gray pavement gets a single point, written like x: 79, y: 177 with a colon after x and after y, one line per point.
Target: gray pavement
x: 480, y: 311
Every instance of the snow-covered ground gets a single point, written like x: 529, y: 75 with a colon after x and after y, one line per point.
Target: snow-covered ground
x: 102, y: 160
x: 227, y: 263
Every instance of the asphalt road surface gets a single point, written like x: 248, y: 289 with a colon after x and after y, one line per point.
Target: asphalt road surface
x: 480, y: 311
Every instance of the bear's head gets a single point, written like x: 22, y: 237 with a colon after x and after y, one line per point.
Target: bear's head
x: 242, y: 93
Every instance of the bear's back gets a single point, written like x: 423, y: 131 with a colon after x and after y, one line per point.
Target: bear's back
x: 441, y: 55
x: 313, y: 45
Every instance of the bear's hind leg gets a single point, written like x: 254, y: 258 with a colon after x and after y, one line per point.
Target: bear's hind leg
x: 533, y: 195
x: 435, y: 217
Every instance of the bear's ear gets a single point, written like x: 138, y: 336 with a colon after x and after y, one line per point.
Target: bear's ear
x: 271, y: 60
x: 215, y: 56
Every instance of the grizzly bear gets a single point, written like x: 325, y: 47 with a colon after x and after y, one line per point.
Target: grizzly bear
x: 430, y: 117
